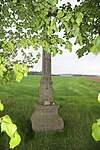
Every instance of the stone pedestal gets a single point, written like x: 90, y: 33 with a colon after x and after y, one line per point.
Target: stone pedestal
x: 46, y: 118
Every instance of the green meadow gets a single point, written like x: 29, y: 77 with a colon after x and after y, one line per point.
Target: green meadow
x: 79, y: 108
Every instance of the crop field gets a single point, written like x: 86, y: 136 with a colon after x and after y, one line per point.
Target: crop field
x: 79, y: 109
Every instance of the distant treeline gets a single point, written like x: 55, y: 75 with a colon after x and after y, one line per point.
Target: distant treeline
x: 39, y: 73
x: 35, y: 73
x: 81, y: 75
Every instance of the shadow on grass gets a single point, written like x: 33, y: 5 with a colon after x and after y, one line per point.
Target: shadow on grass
x: 29, y: 133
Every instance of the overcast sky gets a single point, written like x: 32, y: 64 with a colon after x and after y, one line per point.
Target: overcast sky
x: 69, y: 62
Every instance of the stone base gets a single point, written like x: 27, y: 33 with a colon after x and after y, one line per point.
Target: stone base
x: 46, y: 118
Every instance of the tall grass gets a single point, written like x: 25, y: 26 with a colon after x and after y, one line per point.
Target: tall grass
x: 79, y: 109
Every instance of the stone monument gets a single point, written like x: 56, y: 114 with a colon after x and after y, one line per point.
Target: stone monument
x: 46, y: 117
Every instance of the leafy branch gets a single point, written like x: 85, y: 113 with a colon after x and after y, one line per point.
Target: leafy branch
x: 10, y: 129
x: 96, y: 127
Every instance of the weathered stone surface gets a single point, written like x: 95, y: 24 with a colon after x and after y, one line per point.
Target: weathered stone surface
x: 46, y: 91
x: 46, y: 118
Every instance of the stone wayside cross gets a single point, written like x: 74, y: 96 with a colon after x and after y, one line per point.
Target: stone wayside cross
x: 46, y: 117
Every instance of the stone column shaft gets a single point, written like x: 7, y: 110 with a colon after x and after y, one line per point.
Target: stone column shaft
x: 46, y: 89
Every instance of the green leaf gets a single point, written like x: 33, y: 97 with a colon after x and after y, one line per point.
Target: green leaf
x: 14, y: 1
x: 54, y: 51
x: 76, y: 30
x: 46, y: 46
x: 72, y: 20
x: 99, y: 97
x: 1, y: 106
x: 96, y: 130
x: 2, y: 69
x: 6, y: 119
x: 17, y: 67
x: 60, y: 40
x: 60, y: 51
x: 96, y: 45
x: 15, y: 140
x: 49, y: 32
x: 79, y: 18
x: 79, y: 39
x: 60, y: 14
x: 25, y: 68
x: 9, y: 128
x: 67, y: 26
x: 94, y: 50
x: 19, y: 76
x: 7, y: 46
x: 5, y: 42
x: 18, y: 72
x: 68, y: 45
x: 68, y: 17
x: 10, y: 46
x: 53, y: 25
x: 54, y: 2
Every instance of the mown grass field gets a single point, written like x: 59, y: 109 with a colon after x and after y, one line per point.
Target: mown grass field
x: 77, y: 97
